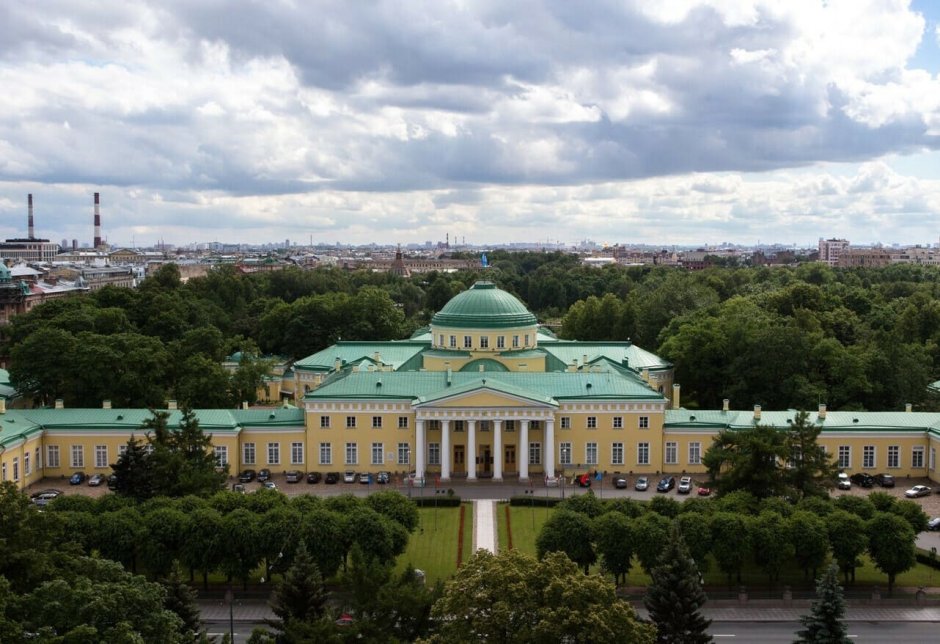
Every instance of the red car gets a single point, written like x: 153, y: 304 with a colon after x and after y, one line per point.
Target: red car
x: 583, y: 480
x: 704, y: 491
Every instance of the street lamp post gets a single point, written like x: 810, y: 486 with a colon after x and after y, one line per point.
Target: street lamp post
x: 230, y: 600
x: 531, y: 494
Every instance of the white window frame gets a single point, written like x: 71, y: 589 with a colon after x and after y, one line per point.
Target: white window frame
x: 274, y: 453
x: 326, y: 453
x: 564, y: 453
x: 869, y: 457
x: 917, y: 457
x: 248, y: 454
x: 671, y: 456
x: 643, y: 453
x: 590, y: 453
x: 221, y: 455
x: 894, y: 457
x: 101, y: 456
x: 376, y: 422
x: 16, y: 468
x: 402, y: 422
x: 695, y: 453
x: 350, y: 422
x: 643, y: 422
x: 52, y: 456
x: 77, y: 456
x: 468, y: 342
x: 500, y: 342
x: 324, y: 422
x: 616, y: 453
x: 592, y: 422
x: 484, y: 342
x: 404, y: 453
x: 378, y: 453
x: 844, y: 457
x: 434, y: 453
x: 352, y: 453
x: 535, y: 453
x: 26, y: 463
x: 618, y: 422
x: 296, y: 453
x: 566, y: 422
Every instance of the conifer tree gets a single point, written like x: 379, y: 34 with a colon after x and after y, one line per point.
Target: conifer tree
x: 675, y: 597
x: 824, y: 624
x: 181, y: 599
x: 301, y: 596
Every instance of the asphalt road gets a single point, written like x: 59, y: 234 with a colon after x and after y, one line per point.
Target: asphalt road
x: 243, y: 630
x: 783, y: 632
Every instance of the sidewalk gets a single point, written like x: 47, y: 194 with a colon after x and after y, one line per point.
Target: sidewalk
x: 484, y: 525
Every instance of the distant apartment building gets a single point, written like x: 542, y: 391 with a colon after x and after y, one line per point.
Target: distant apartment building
x: 864, y: 257
x: 831, y: 249
x: 28, y: 250
x: 97, y: 277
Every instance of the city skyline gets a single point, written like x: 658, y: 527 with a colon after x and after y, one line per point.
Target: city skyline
x: 696, y: 123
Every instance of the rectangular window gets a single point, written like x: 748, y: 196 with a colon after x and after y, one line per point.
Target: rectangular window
x: 122, y: 450
x: 402, y: 422
x: 434, y: 453
x: 618, y: 422
x: 845, y: 457
x: 248, y: 453
x: 509, y: 426
x: 644, y: 422
x: 526, y: 339
x: 564, y: 453
x: 695, y: 453
x: 221, y: 455
x: 672, y: 453
x: 868, y: 456
x: 592, y: 422
x: 917, y: 457
x: 78, y: 456
x: 453, y: 342
x: 458, y: 425
x: 440, y: 340
x: 404, y: 454
x: 324, y: 422
x: 274, y: 453
x: 378, y: 453
x: 352, y: 453
x: 535, y: 453
x: 467, y: 342
x: 101, y: 455
x: 297, y: 453
x: 500, y: 342
x: 3, y: 476
x: 515, y: 342
x: 484, y: 342
x: 616, y: 453
x: 590, y: 453
x: 643, y: 453
x: 326, y: 454
x: 484, y: 426
x: 350, y: 422
x: 566, y: 422
x: 38, y: 459
x: 26, y: 469
x: 16, y: 468
x: 376, y: 422
x: 894, y: 456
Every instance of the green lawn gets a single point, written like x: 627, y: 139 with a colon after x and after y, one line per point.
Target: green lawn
x: 526, y: 523
x: 433, y: 546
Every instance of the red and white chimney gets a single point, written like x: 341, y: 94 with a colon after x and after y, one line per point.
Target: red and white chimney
x: 30, y: 226
x: 97, y: 222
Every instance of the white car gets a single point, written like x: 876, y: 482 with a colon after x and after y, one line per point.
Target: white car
x: 844, y: 483
x: 916, y: 491
x: 685, y: 485
x: 551, y: 481
x: 349, y: 477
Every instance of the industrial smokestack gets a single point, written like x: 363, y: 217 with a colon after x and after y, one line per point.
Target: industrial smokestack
x: 97, y: 222
x: 30, y: 199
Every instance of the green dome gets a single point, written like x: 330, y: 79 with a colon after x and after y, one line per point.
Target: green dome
x: 483, y: 306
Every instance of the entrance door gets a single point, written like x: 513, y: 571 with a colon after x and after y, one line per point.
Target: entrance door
x: 459, y: 464
x: 509, y: 463
x: 487, y: 458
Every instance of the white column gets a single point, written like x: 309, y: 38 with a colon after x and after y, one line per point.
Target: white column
x: 445, y: 450
x: 498, y: 450
x: 472, y: 450
x: 523, y: 451
x: 550, y: 447
x: 420, y: 449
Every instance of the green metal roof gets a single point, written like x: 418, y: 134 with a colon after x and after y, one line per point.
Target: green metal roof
x: 487, y: 384
x: 623, y: 353
x: 487, y: 364
x: 835, y: 421
x: 401, y: 385
x: 394, y: 353
x: 483, y: 306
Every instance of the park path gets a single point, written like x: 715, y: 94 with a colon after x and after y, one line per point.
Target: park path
x: 484, y: 525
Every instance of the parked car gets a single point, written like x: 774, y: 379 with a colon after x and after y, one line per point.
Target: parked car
x: 77, y: 479
x: 704, y: 491
x: 685, y: 485
x: 620, y: 482
x: 264, y: 475
x: 642, y: 484
x: 112, y: 482
x: 269, y: 484
x: 331, y: 478
x: 583, y: 480
x: 294, y: 476
x: 238, y: 488
x: 934, y: 524
x: 843, y: 482
x: 383, y: 478
x: 365, y: 478
x: 666, y: 484
x: 247, y: 476
x: 884, y: 480
x: 44, y: 497
x: 349, y: 476
x: 313, y: 477
x: 916, y: 491
x: 863, y: 478
x: 95, y: 480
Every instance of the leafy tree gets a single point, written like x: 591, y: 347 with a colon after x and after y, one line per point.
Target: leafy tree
x: 511, y: 597
x: 650, y: 533
x: 810, y: 541
x: 696, y: 533
x: 825, y: 625
x: 913, y: 513
x: 325, y: 530
x: 664, y: 506
x: 587, y: 504
x: 166, y: 531
x: 239, y: 537
x: 613, y: 535
x: 891, y: 545
x: 121, y: 535
x: 857, y: 505
x: 395, y: 506
x: 748, y: 459
x: 202, y: 548
x: 675, y: 597
x: 770, y: 540
x: 848, y: 538
x: 730, y: 543
x: 568, y: 532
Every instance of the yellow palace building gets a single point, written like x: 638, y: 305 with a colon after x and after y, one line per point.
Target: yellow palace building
x: 483, y: 393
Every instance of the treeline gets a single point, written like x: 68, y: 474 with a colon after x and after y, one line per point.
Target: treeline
x: 780, y: 337
x: 736, y: 529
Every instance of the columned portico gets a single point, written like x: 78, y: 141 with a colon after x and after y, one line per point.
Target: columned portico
x: 550, y: 447
x: 472, y: 450
x: 498, y: 450
x: 445, y: 450
x: 524, y: 449
x: 420, y: 443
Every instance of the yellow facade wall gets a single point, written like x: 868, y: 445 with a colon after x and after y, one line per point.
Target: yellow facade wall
x: 492, y: 338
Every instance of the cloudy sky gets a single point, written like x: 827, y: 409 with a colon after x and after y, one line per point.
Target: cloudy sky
x: 665, y: 121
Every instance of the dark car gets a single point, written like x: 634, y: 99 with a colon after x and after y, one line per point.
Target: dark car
x: 863, y: 478
x: 365, y: 478
x: 247, y: 476
x: 666, y: 484
x: 383, y: 478
x: 331, y: 478
x: 77, y: 479
x: 294, y: 476
x: 264, y: 475
x: 313, y: 477
x: 95, y: 480
x: 112, y: 482
x: 884, y: 480
x: 620, y: 482
x: 583, y: 480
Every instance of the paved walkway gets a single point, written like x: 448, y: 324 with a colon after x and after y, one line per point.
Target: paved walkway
x: 484, y: 525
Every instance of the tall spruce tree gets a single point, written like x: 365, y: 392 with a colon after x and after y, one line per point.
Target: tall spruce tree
x: 301, y: 596
x: 824, y: 624
x: 181, y: 599
x: 675, y: 597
